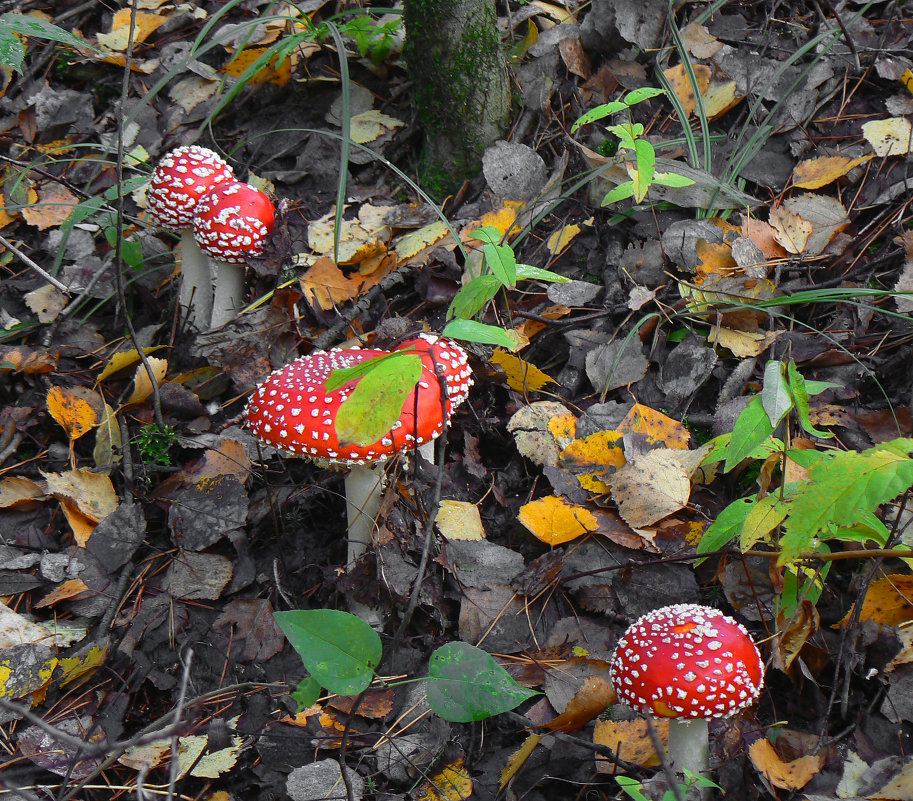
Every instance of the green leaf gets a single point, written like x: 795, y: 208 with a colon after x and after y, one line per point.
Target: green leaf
x: 343, y: 375
x: 41, y: 29
x: 627, y: 133
x: 868, y: 528
x: 339, y: 649
x: 817, y: 387
x: 727, y: 526
x: 598, y: 113
x: 465, y: 684
x: 671, y: 179
x: 12, y: 51
x: 377, y: 400
x: 472, y: 297
x: 527, y: 271
x: 644, y: 93
x: 487, y: 233
x: 646, y: 163
x: 800, y: 397
x: 840, y: 490
x: 620, y: 192
x: 473, y: 331
x: 751, y: 429
x: 775, y: 395
x: 307, y: 692
x: 761, y: 520
x: 502, y: 262
x: 632, y: 787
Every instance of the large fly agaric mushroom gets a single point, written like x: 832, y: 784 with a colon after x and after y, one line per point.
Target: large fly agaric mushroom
x: 230, y: 223
x: 181, y: 178
x: 291, y: 410
x: 690, y: 664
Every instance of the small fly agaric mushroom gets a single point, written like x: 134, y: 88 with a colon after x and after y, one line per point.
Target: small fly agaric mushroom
x: 690, y: 664
x: 229, y: 224
x: 292, y: 411
x: 181, y: 178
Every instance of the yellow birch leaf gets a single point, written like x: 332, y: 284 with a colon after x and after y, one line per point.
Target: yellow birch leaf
x: 554, y: 521
x: 518, y: 759
x: 719, y: 97
x: 67, y: 589
x: 678, y: 79
x: 122, y: 359
x: 563, y: 428
x: 742, y: 344
x: 887, y: 601
x: 459, y: 520
x: 91, y: 493
x: 521, y: 375
x: 81, y: 525
x: 371, y: 125
x: 74, y: 414
x: 408, y: 246
x: 890, y: 137
x: 119, y: 37
x: 324, y: 285
x: 792, y: 775
x: 818, y: 172
x: 46, y: 302
x: 596, y: 453
x: 453, y: 783
x: 53, y: 206
x: 278, y: 70
x: 791, y: 231
x: 18, y: 491
x: 142, y: 386
x: 661, y: 428
x: 84, y: 662
x: 630, y: 740
x: 557, y: 243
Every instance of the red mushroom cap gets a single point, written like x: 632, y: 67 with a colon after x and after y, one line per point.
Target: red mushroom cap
x: 181, y: 178
x: 447, y: 359
x: 687, y: 661
x: 231, y: 222
x: 292, y: 410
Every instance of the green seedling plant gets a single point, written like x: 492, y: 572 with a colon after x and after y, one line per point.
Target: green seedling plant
x: 630, y: 138
x: 836, y: 500
x: 372, y: 37
x: 634, y: 788
x: 341, y: 653
x: 154, y: 443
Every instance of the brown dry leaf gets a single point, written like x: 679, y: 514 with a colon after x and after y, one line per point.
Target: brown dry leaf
x: 521, y: 375
x: 91, y: 493
x: 277, y: 71
x: 518, y: 759
x: 453, y: 783
x: 574, y: 57
x: 699, y: 41
x: 818, y: 172
x: 888, y: 601
x: 459, y: 520
x: 808, y: 222
x: 742, y: 344
x: 374, y: 704
x: 905, y: 655
x: 46, y: 302
x: 588, y: 702
x: 370, y: 126
x: 68, y: 589
x: 793, y: 633
x: 792, y: 775
x: 119, y: 36
x: 54, y: 206
x: 900, y: 788
x: 75, y: 415
x: 655, y: 484
x: 656, y: 425
x: 17, y: 491
x: 529, y: 328
x: 630, y: 740
x: 228, y: 459
x: 763, y: 235
x: 905, y: 279
x: 360, y: 239
x: 81, y: 525
x: 678, y: 79
x: 324, y: 285
x: 554, y: 521
x: 142, y: 386
x: 890, y: 137
x: 533, y: 434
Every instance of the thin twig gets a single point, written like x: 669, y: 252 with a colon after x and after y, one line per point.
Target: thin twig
x: 33, y: 266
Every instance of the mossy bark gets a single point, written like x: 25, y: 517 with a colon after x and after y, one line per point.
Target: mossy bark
x: 461, y: 86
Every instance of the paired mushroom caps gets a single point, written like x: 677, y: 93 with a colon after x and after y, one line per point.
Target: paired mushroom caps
x: 291, y: 410
x: 193, y: 187
x: 687, y: 661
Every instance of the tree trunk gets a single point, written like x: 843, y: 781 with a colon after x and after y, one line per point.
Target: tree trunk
x: 461, y: 86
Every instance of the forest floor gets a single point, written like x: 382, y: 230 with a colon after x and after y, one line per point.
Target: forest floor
x: 147, y: 539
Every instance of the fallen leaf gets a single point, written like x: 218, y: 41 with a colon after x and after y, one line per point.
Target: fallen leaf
x: 792, y: 775
x: 558, y: 242
x: 681, y: 85
x: 54, y: 206
x: 452, y: 783
x: 276, y: 70
x: 659, y: 427
x: 46, y: 302
x: 554, y: 521
x: 518, y: 759
x: 533, y: 434
x: 91, y: 493
x: 324, y: 285
x: 521, y: 375
x: 890, y: 137
x: 371, y: 125
x: 742, y: 344
x: 119, y: 36
x: 699, y: 41
x: 18, y: 491
x: 817, y: 172
x: 142, y: 386
x: 630, y: 740
x: 75, y: 415
x: 808, y: 222
x: 588, y: 702
x: 888, y: 601
x: 459, y: 520
x: 68, y: 589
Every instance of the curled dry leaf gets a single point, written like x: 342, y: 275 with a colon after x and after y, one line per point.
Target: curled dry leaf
x: 787, y: 775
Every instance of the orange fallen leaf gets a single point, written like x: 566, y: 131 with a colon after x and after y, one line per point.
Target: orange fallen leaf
x: 554, y: 521
x: 75, y: 415
x: 887, y: 601
x: 630, y: 740
x: 325, y: 285
x: 660, y: 427
x: 818, y: 172
x: 792, y: 775
x: 522, y: 376
x: 588, y: 702
x: 681, y: 85
x: 68, y: 589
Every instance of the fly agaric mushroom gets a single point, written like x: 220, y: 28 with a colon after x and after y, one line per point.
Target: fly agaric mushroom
x: 292, y: 411
x: 229, y: 224
x: 690, y: 664
x: 181, y: 178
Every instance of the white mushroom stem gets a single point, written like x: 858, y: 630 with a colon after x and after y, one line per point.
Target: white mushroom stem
x: 689, y: 746
x: 229, y: 292
x: 364, y: 485
x: 196, y: 285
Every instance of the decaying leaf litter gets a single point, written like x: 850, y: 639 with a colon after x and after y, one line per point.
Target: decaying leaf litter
x: 143, y: 557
